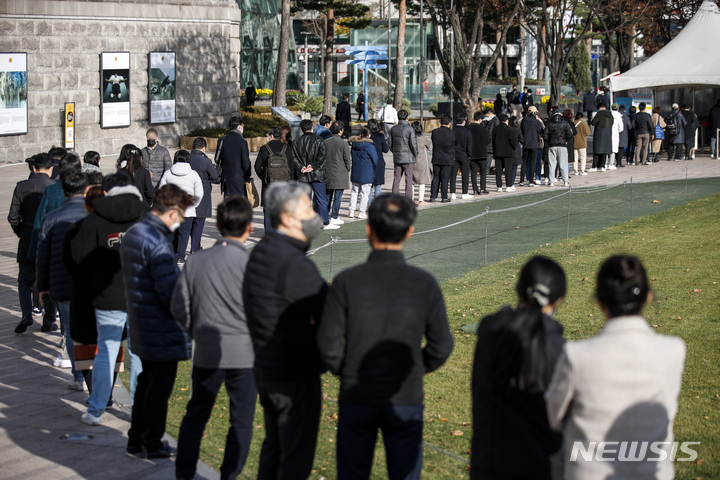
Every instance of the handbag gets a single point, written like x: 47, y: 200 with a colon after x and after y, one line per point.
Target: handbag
x: 218, y: 163
x: 659, y: 133
x: 252, y: 194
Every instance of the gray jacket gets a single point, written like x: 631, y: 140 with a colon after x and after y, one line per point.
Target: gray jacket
x: 338, y: 162
x: 208, y: 304
x: 403, y: 143
x: 157, y: 161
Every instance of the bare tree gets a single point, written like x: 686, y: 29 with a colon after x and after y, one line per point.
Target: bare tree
x: 400, y: 64
x: 467, y: 22
x: 278, y: 99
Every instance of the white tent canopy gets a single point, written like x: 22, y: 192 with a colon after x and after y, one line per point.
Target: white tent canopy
x: 690, y: 60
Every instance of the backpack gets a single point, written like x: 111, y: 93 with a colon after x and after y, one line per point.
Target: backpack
x: 671, y: 127
x: 277, y: 169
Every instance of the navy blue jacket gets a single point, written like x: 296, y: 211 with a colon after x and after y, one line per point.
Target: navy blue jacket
x: 150, y: 274
x: 206, y: 170
x: 382, y: 147
x: 234, y: 156
x: 364, y: 161
x: 51, y: 274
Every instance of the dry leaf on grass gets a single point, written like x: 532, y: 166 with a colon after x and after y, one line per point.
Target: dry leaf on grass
x: 457, y: 433
x: 656, y: 201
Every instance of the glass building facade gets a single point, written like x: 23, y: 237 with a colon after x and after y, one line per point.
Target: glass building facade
x: 259, y: 43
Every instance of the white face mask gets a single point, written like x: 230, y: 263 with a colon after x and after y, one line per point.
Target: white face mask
x: 174, y: 226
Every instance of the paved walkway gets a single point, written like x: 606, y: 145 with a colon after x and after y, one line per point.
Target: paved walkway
x: 38, y: 412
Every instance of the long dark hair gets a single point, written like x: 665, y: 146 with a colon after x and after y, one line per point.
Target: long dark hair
x: 622, y: 285
x: 124, y: 155
x: 134, y: 163
x: 523, y: 359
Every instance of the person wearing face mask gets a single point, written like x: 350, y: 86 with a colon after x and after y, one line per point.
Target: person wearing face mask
x: 156, y: 158
x: 233, y: 157
x: 284, y: 298
x: 95, y: 249
x: 516, y: 352
x: 150, y: 273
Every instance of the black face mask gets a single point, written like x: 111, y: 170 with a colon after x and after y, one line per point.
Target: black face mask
x: 151, y: 142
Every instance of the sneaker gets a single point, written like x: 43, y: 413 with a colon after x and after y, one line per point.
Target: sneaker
x: 583, y: 173
x: 181, y: 261
x: 551, y: 185
x: 166, y: 451
x: 58, y: 361
x: 65, y: 363
x: 452, y: 196
x: 336, y: 221
x: 510, y: 189
x: 331, y: 226
x: 566, y: 184
x: 75, y: 385
x: 531, y: 185
x: 577, y: 173
x: 362, y: 215
x: 467, y: 196
x: 602, y: 169
x: 592, y: 170
x: 422, y: 202
x: 500, y: 190
x: 36, y: 311
x: 91, y: 419
x: 484, y: 192
x: 537, y: 182
x: 678, y: 160
x: 351, y: 214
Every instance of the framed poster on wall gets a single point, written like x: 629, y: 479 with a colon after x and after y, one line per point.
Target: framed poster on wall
x: 115, y: 89
x: 161, y: 87
x: 13, y: 94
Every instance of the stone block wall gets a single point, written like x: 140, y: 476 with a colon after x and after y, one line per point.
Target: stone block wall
x: 64, y: 40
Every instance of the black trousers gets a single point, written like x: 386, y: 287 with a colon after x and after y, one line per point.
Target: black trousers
x: 154, y: 387
x: 599, y: 160
x: 675, y: 150
x: 529, y: 158
x: 507, y: 163
x: 240, y: 386
x: 441, y: 177
x: 292, y: 416
x: 463, y: 165
x: 401, y: 427
x: 198, y: 225
x: 482, y: 164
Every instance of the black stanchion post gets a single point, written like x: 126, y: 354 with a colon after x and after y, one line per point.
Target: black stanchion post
x: 569, y: 203
x: 487, y: 214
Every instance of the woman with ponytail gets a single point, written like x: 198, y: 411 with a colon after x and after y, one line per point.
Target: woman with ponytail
x: 140, y: 175
x: 615, y: 394
x: 516, y: 352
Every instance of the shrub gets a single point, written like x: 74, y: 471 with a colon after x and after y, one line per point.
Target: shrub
x: 264, y: 109
x: 433, y: 108
x: 255, y: 125
x: 405, y: 102
x: 209, y: 132
x: 407, y: 109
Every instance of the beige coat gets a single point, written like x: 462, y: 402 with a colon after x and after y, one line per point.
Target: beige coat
x: 621, y: 385
x: 422, y: 171
x: 656, y: 144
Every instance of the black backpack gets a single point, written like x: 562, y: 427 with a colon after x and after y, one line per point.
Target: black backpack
x: 671, y: 127
x: 277, y: 169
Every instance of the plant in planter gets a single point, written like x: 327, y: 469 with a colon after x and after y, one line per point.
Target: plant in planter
x: 264, y: 93
x: 433, y: 108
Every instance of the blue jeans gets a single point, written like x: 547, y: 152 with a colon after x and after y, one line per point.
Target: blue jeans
x: 538, y: 164
x: 713, y: 140
x: 110, y: 327
x: 64, y: 310
x: 320, y: 200
x: 401, y: 426
x: 375, y: 192
x: 334, y: 199
x: 266, y: 221
x: 180, y: 240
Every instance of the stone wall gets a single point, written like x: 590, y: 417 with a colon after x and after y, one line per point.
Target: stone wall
x: 64, y: 39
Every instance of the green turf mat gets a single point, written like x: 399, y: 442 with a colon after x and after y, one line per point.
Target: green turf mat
x: 456, y: 250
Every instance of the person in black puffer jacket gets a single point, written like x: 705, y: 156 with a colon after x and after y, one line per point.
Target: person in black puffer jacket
x: 150, y: 273
x: 52, y: 277
x: 557, y: 135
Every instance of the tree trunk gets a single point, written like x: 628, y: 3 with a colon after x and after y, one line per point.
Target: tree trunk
x: 541, y: 58
x: 329, y: 48
x: 278, y: 99
x: 498, y: 37
x: 506, y: 70
x: 400, y: 65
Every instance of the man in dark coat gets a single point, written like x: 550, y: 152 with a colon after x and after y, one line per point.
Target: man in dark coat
x: 588, y: 104
x: 403, y: 145
x: 479, y: 155
x: 505, y: 142
x: 526, y: 99
x: 463, y: 151
x: 339, y: 164
x: 602, y: 139
x: 274, y: 145
x: 714, y: 118
x: 344, y: 114
x: 284, y: 299
x: 23, y: 209
x: 625, y: 135
x: 371, y: 335
x: 207, y: 173
x: 250, y: 94
x: 310, y: 156
x: 644, y: 132
x: 361, y: 106
x: 150, y: 273
x: 443, y: 140
x: 691, y: 125
x: 675, y: 142
x: 603, y: 99
x: 95, y: 250
x: 233, y: 157
x: 52, y: 278
x: 532, y: 129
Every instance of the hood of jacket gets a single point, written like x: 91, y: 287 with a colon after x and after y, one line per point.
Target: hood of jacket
x: 120, y: 208
x: 181, y: 169
x: 359, y: 141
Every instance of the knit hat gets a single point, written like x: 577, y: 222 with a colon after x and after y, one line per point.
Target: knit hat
x: 615, y: 106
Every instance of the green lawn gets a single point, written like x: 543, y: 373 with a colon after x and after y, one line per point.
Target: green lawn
x: 680, y: 248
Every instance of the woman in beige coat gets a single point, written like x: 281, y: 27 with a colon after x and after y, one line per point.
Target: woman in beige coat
x: 422, y: 173
x: 656, y: 144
